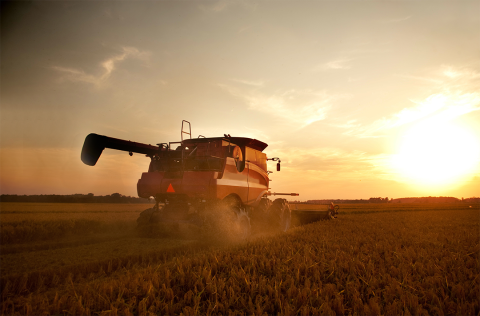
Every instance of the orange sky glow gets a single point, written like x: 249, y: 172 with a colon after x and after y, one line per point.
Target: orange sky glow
x: 358, y: 99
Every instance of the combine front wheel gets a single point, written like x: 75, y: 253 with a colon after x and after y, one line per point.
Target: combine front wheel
x: 227, y: 221
x: 147, y: 223
x: 238, y: 221
x: 280, y: 215
x: 145, y: 216
x: 241, y: 226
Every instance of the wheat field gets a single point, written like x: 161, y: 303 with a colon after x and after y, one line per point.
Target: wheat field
x: 374, y: 259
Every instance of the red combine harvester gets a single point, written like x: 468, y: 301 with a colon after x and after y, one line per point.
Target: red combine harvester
x: 218, y: 182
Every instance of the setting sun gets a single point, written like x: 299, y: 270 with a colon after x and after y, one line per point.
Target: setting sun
x: 437, y: 154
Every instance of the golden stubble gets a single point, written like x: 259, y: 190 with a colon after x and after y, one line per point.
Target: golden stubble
x: 375, y: 259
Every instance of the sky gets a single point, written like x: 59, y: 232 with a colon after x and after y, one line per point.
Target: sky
x: 359, y: 99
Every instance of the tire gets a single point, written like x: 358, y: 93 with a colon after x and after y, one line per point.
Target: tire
x: 259, y: 215
x: 241, y: 228
x: 150, y: 222
x: 280, y: 215
x: 228, y: 221
x: 145, y: 217
x: 335, y: 210
x: 146, y: 226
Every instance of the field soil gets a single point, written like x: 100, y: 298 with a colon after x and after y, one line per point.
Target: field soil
x: 373, y: 259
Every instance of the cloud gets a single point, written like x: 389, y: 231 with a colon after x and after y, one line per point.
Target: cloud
x: 257, y: 83
x: 259, y: 134
x: 348, y: 173
x: 220, y: 5
x: 296, y: 107
x: 426, y: 79
x: 396, y: 20
x: 243, y: 29
x: 107, y: 67
x: 223, y: 5
x: 76, y: 75
x: 348, y: 124
x: 460, y: 77
x: 458, y: 94
x: 365, y: 51
x: 346, y: 56
x: 341, y: 63
x: 335, y: 163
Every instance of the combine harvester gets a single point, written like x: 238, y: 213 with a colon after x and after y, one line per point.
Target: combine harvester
x: 218, y: 183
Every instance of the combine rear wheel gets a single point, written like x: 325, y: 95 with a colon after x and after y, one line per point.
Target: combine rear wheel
x: 280, y: 215
x: 259, y: 215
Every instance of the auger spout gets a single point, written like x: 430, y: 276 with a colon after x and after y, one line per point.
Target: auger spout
x: 95, y: 144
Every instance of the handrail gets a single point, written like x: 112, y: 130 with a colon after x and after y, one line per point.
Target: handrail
x: 189, y: 127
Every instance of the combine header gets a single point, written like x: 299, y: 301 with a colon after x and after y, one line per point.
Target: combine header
x: 220, y: 183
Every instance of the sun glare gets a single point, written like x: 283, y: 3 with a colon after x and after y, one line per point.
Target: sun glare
x: 437, y: 154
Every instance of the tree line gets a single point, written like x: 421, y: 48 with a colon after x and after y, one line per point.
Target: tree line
x: 74, y: 198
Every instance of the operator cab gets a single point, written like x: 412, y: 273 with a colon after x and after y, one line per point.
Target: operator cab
x: 209, y: 154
